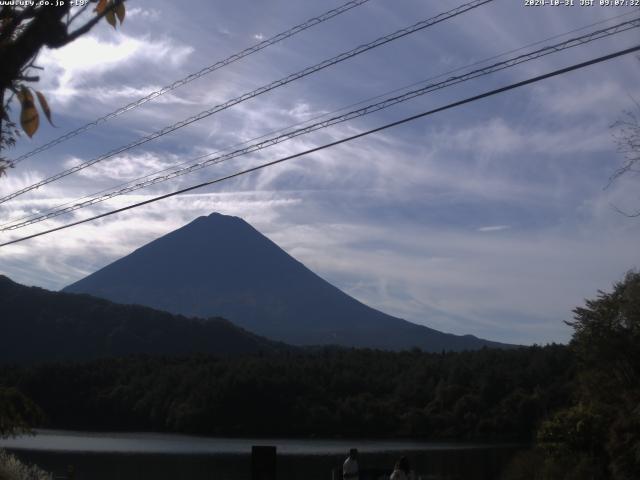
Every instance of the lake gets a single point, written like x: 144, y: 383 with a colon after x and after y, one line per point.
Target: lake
x: 140, y: 456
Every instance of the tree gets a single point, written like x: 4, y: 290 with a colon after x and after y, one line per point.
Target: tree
x: 17, y: 412
x: 626, y: 132
x: 607, y: 342
x: 602, y: 429
x: 25, y: 28
x: 607, y: 337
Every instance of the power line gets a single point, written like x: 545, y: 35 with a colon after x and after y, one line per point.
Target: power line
x: 338, y: 142
x: 194, y: 76
x: 40, y: 214
x: 266, y: 88
x: 332, y: 121
x: 386, y: 103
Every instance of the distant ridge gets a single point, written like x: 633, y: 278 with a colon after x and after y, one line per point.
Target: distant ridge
x: 37, y: 325
x: 220, y: 265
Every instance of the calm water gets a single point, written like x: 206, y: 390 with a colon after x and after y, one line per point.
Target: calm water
x: 141, y: 456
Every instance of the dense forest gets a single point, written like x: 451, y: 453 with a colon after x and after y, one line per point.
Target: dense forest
x: 497, y: 394
x: 579, y: 404
x: 598, y: 434
x: 38, y: 325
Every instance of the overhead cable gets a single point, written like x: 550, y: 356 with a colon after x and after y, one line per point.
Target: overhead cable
x: 338, y: 142
x: 386, y: 103
x: 194, y: 76
x: 266, y: 88
x: 314, y: 118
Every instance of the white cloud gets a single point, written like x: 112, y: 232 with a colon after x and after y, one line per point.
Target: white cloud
x: 108, y: 94
x: 493, y: 228
x: 593, y: 98
x: 492, y: 286
x: 497, y: 138
x: 82, y: 63
x: 17, y: 179
x: 477, y: 284
x: 148, y: 14
x: 55, y: 260
x: 401, y: 220
x: 125, y: 166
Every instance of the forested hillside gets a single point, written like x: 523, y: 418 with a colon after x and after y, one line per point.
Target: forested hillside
x: 578, y: 404
x: 37, y: 325
x: 495, y: 394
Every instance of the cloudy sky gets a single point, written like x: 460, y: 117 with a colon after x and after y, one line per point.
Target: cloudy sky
x: 495, y: 218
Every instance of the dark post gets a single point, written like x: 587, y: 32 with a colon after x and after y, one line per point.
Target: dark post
x: 263, y: 463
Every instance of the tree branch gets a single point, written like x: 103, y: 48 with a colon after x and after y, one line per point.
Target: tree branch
x: 90, y: 24
x: 77, y: 14
x: 17, y: 19
x: 29, y: 78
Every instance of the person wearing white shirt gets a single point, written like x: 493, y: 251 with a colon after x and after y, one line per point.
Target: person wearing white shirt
x: 350, y: 470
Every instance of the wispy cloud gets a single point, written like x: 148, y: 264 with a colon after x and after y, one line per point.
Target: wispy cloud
x: 78, y: 69
x: 489, y: 219
x: 493, y: 228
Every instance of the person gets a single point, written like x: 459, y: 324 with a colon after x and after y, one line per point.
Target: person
x: 402, y: 470
x: 71, y: 472
x: 350, y: 470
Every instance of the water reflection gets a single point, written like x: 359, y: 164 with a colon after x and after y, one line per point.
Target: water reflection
x: 178, y: 457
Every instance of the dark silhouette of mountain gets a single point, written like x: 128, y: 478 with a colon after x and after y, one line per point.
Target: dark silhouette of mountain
x: 38, y: 325
x: 220, y: 265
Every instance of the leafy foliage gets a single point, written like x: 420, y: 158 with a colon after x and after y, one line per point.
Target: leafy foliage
x: 492, y: 394
x: 39, y: 325
x: 275, y: 390
x: 602, y: 428
x: 13, y: 469
x: 17, y: 412
x: 25, y: 28
x: 8, y: 135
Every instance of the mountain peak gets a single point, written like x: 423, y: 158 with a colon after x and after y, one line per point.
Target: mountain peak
x: 215, y: 220
x: 220, y: 265
x: 217, y: 217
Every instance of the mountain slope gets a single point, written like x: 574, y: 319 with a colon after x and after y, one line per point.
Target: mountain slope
x: 39, y: 325
x: 220, y: 265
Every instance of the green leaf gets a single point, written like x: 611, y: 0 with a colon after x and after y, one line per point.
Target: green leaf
x: 121, y: 12
x: 111, y: 18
